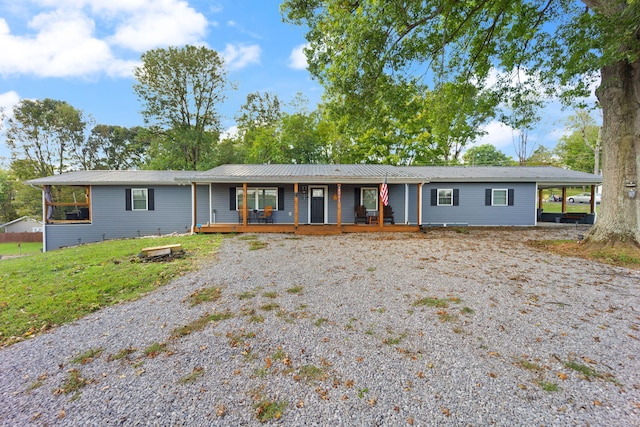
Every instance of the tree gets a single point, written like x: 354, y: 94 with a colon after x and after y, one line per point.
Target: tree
x: 45, y: 133
x: 486, y: 155
x: 258, y: 126
x: 7, y: 211
x: 573, y: 153
x: 564, y: 45
x: 181, y: 89
x: 541, y: 156
x: 112, y: 148
x: 585, y: 125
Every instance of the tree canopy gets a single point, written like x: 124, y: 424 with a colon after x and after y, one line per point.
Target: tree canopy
x: 357, y: 49
x: 181, y: 90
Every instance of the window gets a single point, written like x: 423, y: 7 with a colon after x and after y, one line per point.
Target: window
x: 369, y: 198
x: 257, y: 198
x: 445, y: 197
x: 499, y: 197
x: 139, y: 199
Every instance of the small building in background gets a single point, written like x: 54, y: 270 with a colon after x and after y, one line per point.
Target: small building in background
x: 24, y: 224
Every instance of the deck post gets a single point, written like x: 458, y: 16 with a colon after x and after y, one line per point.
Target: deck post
x: 420, y: 204
x: 295, y: 205
x: 564, y: 199
x: 339, y: 205
x: 540, y: 198
x: 593, y: 199
x: 245, y: 209
x: 381, y: 206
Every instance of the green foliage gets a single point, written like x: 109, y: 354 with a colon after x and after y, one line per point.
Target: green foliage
x: 45, y: 133
x: 113, y: 148
x: 56, y: 287
x: 486, y: 155
x: 180, y: 89
x: 7, y: 210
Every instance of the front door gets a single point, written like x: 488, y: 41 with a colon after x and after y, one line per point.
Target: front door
x: 317, y: 205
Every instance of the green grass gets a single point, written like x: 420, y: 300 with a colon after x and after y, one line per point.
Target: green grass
x: 20, y: 248
x: 56, y: 287
x: 431, y: 302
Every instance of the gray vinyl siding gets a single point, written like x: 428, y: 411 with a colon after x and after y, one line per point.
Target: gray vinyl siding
x: 472, y: 210
x: 110, y: 220
x: 220, y: 194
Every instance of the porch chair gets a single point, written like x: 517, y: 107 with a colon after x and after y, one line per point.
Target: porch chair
x: 388, y: 215
x: 361, y: 215
x: 267, y: 215
x: 240, y: 217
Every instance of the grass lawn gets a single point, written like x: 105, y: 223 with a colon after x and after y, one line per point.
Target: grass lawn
x: 52, y: 288
x: 20, y: 248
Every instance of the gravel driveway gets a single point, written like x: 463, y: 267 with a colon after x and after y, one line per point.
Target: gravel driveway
x: 441, y: 328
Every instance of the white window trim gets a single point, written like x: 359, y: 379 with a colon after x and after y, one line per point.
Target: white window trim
x: 506, y: 196
x: 146, y: 199
x: 239, y: 190
x: 375, y: 189
x: 438, y: 196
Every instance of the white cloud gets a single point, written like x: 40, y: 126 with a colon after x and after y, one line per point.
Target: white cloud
x: 297, y: 59
x: 7, y: 101
x: 62, y: 40
x: 165, y: 23
x: 497, y: 134
x: 237, y: 57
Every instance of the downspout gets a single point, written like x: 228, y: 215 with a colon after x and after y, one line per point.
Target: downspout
x: 193, y: 208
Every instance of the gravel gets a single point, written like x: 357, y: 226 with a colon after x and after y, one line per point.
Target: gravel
x: 443, y: 328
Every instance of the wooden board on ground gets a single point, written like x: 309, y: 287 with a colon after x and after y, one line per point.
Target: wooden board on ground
x: 161, y: 250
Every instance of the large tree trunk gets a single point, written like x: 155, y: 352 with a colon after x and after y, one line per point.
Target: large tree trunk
x: 619, y: 95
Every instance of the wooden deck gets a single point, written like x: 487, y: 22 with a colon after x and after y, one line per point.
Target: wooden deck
x: 306, y: 229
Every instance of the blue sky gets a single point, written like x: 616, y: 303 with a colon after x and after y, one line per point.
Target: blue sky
x: 83, y: 52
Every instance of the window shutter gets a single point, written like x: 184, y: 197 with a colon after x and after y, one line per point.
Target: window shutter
x: 357, y: 196
x: 456, y: 196
x: 511, y: 194
x: 487, y: 197
x: 127, y: 199
x: 434, y: 197
x: 280, y: 198
x: 151, y: 203
x: 232, y: 198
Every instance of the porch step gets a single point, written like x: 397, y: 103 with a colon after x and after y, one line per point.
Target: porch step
x: 319, y: 230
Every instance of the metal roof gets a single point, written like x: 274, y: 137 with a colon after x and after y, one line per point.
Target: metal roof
x: 286, y: 173
x: 111, y: 177
x: 545, y: 176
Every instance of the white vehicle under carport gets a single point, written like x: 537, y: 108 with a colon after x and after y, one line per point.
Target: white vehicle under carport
x: 582, y: 198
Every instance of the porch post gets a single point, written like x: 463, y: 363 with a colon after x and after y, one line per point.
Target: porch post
x: 339, y: 205
x: 381, y: 207
x: 593, y: 198
x: 295, y: 205
x: 540, y: 198
x: 564, y: 199
x: 419, y: 204
x: 194, y: 210
x: 245, y: 210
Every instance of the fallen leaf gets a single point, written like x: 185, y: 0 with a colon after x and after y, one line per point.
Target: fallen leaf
x: 597, y: 403
x: 586, y: 359
x: 561, y: 375
x: 410, y: 421
x: 522, y: 386
x: 445, y: 411
x: 494, y: 354
x: 420, y: 374
x: 492, y: 375
x: 62, y: 414
x: 300, y: 404
x: 268, y: 362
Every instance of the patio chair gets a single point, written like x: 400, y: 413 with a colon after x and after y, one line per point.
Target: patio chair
x: 388, y: 215
x: 240, y: 216
x: 361, y: 215
x: 267, y: 215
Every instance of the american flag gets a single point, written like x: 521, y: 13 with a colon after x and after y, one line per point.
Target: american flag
x: 384, y: 192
